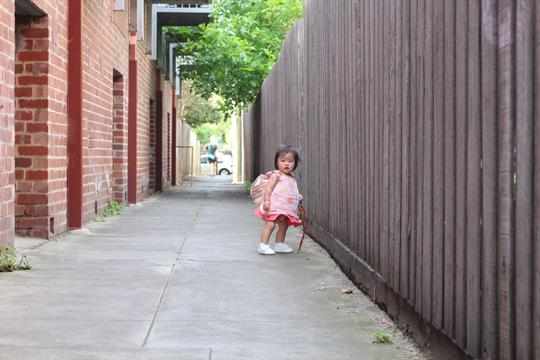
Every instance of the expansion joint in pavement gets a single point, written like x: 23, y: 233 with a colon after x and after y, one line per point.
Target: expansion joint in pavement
x: 171, y: 274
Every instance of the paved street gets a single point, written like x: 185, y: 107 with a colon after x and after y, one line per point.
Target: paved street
x: 179, y: 277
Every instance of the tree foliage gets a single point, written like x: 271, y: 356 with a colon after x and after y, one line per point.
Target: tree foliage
x: 232, y: 55
x: 196, y: 110
x: 219, y: 130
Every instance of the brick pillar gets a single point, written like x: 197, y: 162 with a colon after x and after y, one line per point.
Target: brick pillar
x: 120, y: 141
x: 173, y: 145
x: 31, y: 126
x: 7, y: 135
x: 132, y: 121
x: 169, y: 155
x: 75, y: 115
x: 152, y: 155
x: 159, y: 134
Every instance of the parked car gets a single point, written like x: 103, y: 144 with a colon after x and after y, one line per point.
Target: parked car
x: 225, y: 164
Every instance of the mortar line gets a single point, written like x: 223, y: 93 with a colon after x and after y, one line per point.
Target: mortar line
x: 171, y: 274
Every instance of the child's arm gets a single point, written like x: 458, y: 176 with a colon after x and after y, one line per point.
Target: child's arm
x: 268, y: 191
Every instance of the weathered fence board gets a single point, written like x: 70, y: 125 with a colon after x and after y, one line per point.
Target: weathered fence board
x: 405, y: 163
x: 536, y: 176
x: 418, y: 127
x: 489, y: 178
x: 427, y: 175
x: 398, y: 247
x: 524, y: 175
x: 392, y: 145
x: 449, y: 167
x: 462, y: 26
x: 438, y: 164
x: 413, y: 249
x: 506, y: 183
x: 420, y: 98
x: 473, y: 189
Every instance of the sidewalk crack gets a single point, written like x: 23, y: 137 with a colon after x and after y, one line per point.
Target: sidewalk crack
x: 171, y: 274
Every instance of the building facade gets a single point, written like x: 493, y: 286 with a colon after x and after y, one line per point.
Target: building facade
x: 87, y: 113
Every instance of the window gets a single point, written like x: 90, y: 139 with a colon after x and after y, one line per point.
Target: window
x: 119, y: 5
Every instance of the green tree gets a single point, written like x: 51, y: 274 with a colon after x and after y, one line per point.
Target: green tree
x: 231, y: 56
x: 196, y: 110
x: 219, y: 130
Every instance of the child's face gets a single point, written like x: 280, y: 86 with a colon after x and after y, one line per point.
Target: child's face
x: 286, y: 163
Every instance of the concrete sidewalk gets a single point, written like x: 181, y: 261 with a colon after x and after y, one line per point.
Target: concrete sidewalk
x: 179, y: 277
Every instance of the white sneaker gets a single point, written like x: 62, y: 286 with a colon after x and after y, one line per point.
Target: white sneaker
x: 282, y: 248
x: 265, y: 249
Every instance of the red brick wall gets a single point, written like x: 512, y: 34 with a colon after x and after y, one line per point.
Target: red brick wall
x: 39, y: 107
x: 33, y: 106
x: 40, y: 121
x: 146, y: 73
x: 167, y: 127
x: 105, y: 47
x: 32, y: 126
x: 7, y: 109
x: 58, y: 88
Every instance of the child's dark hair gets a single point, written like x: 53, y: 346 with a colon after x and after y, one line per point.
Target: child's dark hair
x: 282, y: 150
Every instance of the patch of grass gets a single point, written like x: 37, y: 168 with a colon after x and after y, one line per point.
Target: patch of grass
x: 381, y: 338
x: 113, y: 208
x: 10, y: 262
x: 99, y: 219
x: 247, y: 185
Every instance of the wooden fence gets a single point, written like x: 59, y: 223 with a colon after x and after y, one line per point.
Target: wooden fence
x: 418, y: 123
x: 186, y: 137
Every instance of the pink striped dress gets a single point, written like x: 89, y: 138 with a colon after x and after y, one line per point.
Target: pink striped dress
x: 283, y: 202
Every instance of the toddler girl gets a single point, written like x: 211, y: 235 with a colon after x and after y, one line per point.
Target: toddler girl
x: 280, y: 203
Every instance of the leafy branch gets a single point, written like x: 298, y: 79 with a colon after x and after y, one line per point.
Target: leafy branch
x: 231, y: 56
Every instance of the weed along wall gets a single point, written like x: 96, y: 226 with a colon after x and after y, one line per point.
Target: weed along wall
x: 418, y: 129
x: 65, y: 113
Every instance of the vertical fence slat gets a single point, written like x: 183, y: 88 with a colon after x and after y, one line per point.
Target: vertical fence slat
x: 356, y: 117
x: 369, y: 35
x: 427, y: 182
x: 392, y: 127
x: 342, y: 37
x: 474, y: 189
x: 420, y: 100
x: 324, y: 113
x: 489, y: 179
x: 449, y: 167
x: 506, y: 182
x: 352, y: 219
x: 525, y: 165
x: 398, y: 148
x: 438, y: 163
x: 405, y: 146
x: 378, y: 138
x: 462, y: 24
x: 384, y: 196
x: 536, y: 177
x: 371, y: 132
x: 412, y: 154
x: 330, y: 116
x: 364, y: 59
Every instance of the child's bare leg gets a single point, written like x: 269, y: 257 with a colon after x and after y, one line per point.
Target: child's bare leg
x: 267, y: 231
x: 280, y: 246
x: 282, y: 231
